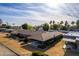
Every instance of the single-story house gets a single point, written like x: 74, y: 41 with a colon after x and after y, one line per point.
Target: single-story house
x: 6, y: 30
x: 71, y: 40
x: 38, y: 37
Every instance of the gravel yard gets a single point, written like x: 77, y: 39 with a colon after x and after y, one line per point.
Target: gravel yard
x: 13, y: 45
x: 5, y: 51
x: 56, y: 50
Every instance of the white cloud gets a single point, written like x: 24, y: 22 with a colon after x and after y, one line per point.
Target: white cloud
x: 40, y: 17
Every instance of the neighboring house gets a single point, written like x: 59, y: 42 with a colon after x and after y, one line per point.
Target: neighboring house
x: 71, y: 40
x: 1, y: 22
x: 38, y: 37
x: 40, y: 29
x: 6, y: 30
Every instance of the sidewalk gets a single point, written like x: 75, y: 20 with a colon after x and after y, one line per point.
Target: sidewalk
x: 13, y: 45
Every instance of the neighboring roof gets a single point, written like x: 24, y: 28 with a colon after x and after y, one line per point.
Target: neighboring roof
x: 39, y: 35
x: 69, y: 40
x: 74, y: 34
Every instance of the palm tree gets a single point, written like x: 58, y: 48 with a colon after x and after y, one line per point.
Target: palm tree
x: 13, y: 24
x: 50, y: 22
x: 53, y: 22
x: 61, y: 22
x: 72, y: 23
x: 66, y: 25
x: 1, y: 21
x: 77, y: 24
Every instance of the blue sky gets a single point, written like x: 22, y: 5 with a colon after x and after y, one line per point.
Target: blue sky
x: 37, y: 13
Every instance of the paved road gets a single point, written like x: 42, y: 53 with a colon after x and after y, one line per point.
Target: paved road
x: 5, y: 51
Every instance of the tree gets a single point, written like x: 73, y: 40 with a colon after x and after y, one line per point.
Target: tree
x: 13, y: 24
x: 50, y: 22
x: 63, y: 28
x: 60, y: 25
x: 72, y: 22
x: 8, y: 26
x: 25, y: 26
x: 53, y: 22
x: 3, y: 25
x: 1, y: 21
x: 61, y: 22
x: 66, y: 23
x: 51, y: 27
x: 73, y: 26
x: 77, y: 23
x: 46, y: 27
x: 55, y: 26
x: 30, y: 27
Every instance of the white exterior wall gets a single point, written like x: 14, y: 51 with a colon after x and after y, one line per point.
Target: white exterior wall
x: 77, y: 42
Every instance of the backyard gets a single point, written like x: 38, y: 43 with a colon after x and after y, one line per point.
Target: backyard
x: 14, y: 45
x: 57, y: 50
x: 53, y: 50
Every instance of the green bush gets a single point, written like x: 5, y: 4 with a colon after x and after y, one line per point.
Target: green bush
x: 27, y: 26
x: 38, y: 53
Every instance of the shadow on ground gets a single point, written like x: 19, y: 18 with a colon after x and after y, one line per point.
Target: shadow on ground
x: 31, y: 48
x: 71, y: 53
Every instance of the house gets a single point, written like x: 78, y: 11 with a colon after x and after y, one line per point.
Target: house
x: 6, y: 30
x: 71, y: 40
x: 38, y: 38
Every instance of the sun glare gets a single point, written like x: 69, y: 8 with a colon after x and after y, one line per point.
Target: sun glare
x: 51, y: 5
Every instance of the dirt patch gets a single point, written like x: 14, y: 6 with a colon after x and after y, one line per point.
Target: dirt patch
x: 13, y: 45
x: 56, y: 50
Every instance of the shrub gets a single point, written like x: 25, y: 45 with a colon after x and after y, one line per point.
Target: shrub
x: 38, y: 53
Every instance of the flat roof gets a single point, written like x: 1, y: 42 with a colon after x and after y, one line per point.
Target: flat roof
x: 75, y: 34
x: 69, y: 40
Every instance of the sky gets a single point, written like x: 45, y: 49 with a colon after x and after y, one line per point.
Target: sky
x: 38, y: 13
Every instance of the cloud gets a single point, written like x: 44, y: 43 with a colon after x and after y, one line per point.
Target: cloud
x: 33, y: 14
